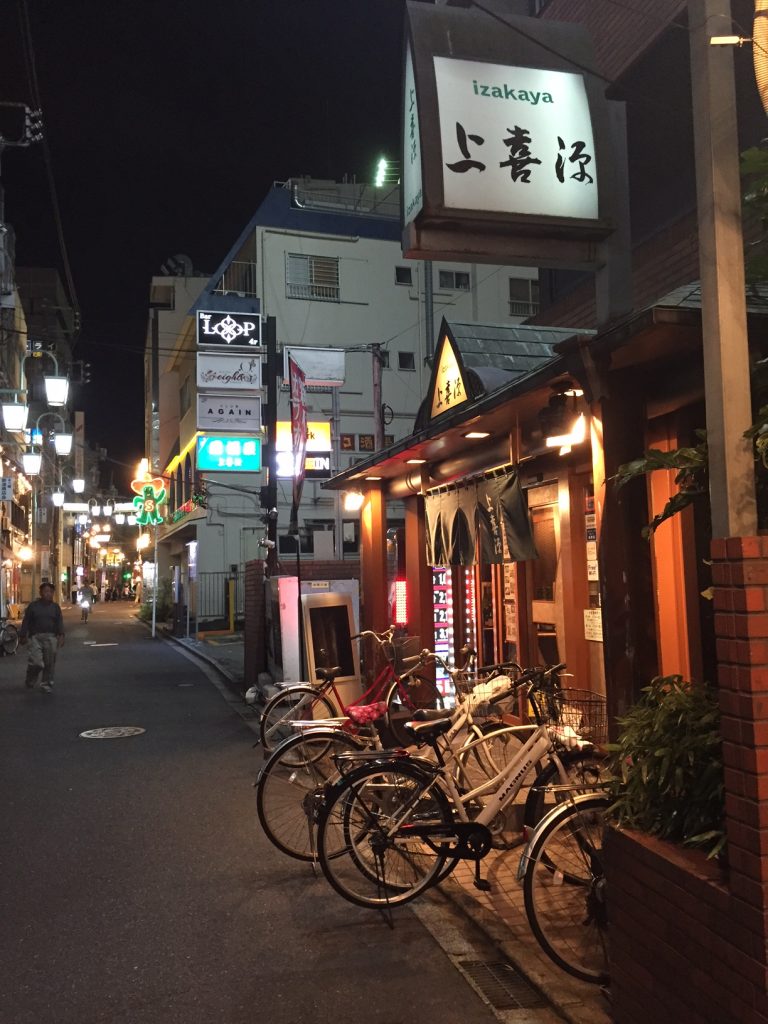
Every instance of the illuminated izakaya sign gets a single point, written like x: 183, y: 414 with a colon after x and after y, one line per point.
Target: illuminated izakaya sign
x: 229, y: 453
x: 516, y: 140
x: 231, y: 330
x: 449, y: 388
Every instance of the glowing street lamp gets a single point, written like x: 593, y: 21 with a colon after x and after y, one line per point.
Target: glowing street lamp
x: 25, y: 553
x: 15, y: 416
x: 62, y: 443
x: 56, y: 390
x: 58, y: 498
x: 78, y: 485
x: 32, y: 461
x: 108, y: 509
x: 120, y: 518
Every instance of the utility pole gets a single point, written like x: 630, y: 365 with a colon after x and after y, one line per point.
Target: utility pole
x: 721, y: 256
x: 378, y: 408
x: 269, y: 493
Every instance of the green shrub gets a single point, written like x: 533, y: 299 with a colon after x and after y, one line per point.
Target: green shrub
x: 164, y: 604
x: 667, y: 765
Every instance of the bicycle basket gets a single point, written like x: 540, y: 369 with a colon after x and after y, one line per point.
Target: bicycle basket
x: 400, y: 649
x: 584, y: 711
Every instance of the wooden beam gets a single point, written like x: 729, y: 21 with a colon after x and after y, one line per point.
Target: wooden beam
x: 373, y: 568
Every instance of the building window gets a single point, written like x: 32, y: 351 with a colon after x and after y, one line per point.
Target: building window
x: 185, y: 396
x: 406, y: 361
x: 454, y: 280
x: 523, y: 296
x: 403, y: 275
x: 312, y: 277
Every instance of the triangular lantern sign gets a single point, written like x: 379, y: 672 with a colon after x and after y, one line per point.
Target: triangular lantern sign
x: 450, y: 386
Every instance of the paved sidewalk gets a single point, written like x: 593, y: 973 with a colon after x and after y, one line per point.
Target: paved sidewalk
x: 500, y: 913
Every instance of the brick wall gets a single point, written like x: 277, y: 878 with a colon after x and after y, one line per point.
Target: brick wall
x: 681, y: 951
x: 254, y: 632
x: 687, y: 946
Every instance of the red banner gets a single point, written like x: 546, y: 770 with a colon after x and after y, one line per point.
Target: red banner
x: 298, y: 431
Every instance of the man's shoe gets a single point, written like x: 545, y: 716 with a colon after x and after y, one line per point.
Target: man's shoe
x: 46, y: 687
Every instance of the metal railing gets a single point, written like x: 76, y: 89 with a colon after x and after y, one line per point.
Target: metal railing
x: 517, y: 308
x: 240, y: 278
x: 323, y: 292
x: 211, y: 590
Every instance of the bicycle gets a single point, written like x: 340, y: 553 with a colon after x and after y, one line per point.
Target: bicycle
x: 564, y: 887
x: 308, y: 701
x: 9, y: 637
x: 402, y: 822
x: 292, y: 781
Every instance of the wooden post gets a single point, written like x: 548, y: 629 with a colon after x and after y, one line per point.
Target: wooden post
x: 721, y: 257
x: 373, y: 569
x: 419, y: 575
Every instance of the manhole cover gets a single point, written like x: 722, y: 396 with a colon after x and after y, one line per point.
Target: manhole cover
x: 111, y: 732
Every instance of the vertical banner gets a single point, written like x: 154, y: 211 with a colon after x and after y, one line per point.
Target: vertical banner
x: 79, y: 444
x: 298, y: 437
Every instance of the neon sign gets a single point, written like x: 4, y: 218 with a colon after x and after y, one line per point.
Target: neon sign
x: 229, y: 453
x: 150, y: 494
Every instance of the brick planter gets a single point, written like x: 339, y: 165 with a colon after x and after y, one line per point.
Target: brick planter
x: 682, y: 946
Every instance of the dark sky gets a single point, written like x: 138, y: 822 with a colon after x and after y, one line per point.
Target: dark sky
x: 167, y: 121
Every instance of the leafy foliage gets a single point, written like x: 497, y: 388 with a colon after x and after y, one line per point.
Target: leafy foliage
x: 754, y: 173
x: 164, y: 608
x: 667, y: 765
x: 691, y: 478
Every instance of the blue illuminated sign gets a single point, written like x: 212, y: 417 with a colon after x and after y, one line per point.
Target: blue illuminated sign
x: 229, y: 453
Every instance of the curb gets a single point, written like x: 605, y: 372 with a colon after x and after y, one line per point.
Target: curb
x: 233, y: 683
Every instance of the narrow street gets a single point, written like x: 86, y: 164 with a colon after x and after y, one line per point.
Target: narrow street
x: 136, y: 888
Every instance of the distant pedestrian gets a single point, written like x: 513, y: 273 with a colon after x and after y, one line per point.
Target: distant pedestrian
x: 43, y: 626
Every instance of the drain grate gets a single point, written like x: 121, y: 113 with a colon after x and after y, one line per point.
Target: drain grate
x: 111, y: 732
x: 502, y: 985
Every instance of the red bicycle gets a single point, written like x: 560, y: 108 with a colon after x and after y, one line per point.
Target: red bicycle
x: 397, y: 691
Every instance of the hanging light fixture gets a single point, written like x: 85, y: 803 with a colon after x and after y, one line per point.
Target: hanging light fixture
x: 62, y: 443
x: 120, y: 518
x: 58, y: 498
x: 15, y: 416
x: 353, y: 501
x: 56, y: 390
x: 108, y: 509
x: 78, y: 485
x: 32, y: 461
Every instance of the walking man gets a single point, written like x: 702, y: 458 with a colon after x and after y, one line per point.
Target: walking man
x: 43, y: 626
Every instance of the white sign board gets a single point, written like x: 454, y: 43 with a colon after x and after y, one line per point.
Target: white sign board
x: 226, y: 371
x: 237, y: 330
x: 413, y: 195
x: 515, y: 140
x: 228, y: 412
x: 593, y: 624
x: 6, y: 488
x: 322, y: 367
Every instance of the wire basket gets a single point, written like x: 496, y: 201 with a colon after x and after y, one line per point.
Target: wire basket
x: 402, y: 648
x: 584, y: 711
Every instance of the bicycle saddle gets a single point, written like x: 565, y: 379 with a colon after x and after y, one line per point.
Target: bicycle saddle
x: 328, y: 673
x: 425, y: 732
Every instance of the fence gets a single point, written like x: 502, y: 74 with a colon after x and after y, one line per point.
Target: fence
x: 211, y: 590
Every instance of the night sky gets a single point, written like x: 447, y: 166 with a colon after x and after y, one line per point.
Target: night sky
x: 167, y: 122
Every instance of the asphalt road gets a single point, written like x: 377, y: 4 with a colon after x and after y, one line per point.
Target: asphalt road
x: 135, y: 886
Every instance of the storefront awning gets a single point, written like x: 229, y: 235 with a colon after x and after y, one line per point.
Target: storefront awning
x: 484, y: 519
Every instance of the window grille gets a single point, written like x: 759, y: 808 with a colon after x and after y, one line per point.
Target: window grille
x: 523, y: 296
x: 312, y: 277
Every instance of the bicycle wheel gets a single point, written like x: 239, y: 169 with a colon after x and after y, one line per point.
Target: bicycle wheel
x: 586, y: 770
x: 564, y: 888
x: 295, y: 704
x: 404, y: 698
x: 9, y: 639
x: 290, y: 786
x: 384, y: 835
